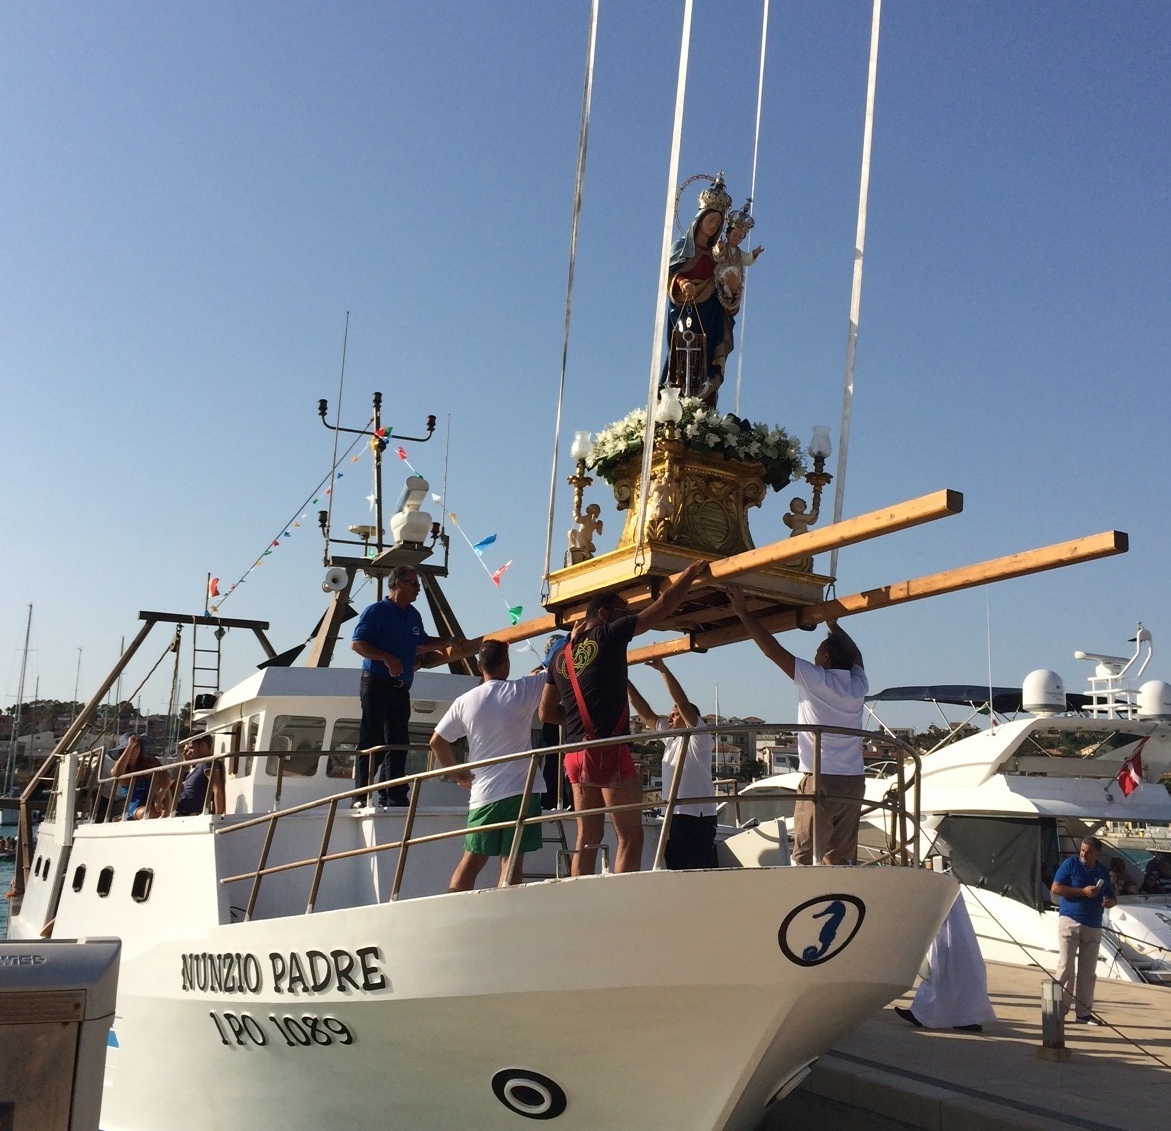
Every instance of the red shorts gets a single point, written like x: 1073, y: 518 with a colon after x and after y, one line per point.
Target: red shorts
x: 607, y: 766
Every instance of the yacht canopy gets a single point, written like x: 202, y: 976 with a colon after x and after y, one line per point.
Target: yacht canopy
x: 1003, y: 700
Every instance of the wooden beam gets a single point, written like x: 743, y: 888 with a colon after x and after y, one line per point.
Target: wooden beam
x: 848, y: 532
x: 1086, y: 549
x: 901, y: 516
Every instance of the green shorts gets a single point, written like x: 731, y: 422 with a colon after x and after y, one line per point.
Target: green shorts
x: 498, y: 842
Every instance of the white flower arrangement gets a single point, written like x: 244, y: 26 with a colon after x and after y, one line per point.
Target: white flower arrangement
x: 703, y: 429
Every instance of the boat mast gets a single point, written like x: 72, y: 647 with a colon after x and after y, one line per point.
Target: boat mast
x: 14, y: 738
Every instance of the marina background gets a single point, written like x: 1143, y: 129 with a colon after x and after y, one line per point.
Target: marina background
x: 196, y: 198
x: 7, y: 868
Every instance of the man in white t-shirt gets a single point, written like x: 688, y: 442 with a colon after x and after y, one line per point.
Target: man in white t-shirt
x: 497, y: 719
x: 831, y: 691
x: 691, y: 842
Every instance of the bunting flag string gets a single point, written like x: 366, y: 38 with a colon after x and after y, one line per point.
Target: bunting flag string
x: 286, y: 531
x: 515, y: 612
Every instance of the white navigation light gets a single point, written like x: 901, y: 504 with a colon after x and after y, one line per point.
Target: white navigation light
x: 410, y: 524
x: 1043, y: 693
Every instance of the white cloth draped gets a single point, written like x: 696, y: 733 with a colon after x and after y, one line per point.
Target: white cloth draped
x: 955, y: 989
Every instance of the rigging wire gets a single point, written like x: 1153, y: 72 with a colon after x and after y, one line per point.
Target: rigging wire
x: 582, y: 143
x: 657, y: 342
x: 751, y: 196
x: 309, y: 499
x: 856, y: 287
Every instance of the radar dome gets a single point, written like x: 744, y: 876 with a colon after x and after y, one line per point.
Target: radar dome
x: 1154, y: 700
x: 1043, y: 693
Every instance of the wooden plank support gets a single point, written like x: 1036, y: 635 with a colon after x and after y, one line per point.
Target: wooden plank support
x: 1087, y: 549
x: 848, y: 532
x: 886, y: 520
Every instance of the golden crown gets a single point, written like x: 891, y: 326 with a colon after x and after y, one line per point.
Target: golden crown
x: 715, y: 196
x: 742, y: 217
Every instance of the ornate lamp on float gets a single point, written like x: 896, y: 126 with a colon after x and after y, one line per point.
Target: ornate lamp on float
x: 798, y: 519
x: 669, y: 410
x: 581, y: 533
x: 819, y: 449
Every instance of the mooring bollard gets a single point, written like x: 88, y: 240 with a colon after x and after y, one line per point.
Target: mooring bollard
x: 1052, y: 1045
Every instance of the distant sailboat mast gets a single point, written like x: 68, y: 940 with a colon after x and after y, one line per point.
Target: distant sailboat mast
x: 10, y: 771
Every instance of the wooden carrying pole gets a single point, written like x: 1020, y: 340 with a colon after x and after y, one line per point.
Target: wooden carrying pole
x: 1086, y: 549
x: 901, y: 516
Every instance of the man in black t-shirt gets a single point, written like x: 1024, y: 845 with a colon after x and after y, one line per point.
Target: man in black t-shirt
x: 595, y: 657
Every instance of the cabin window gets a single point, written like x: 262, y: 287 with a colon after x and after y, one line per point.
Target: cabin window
x: 78, y: 877
x: 105, y: 881
x: 344, y: 737
x: 140, y: 888
x: 249, y: 740
x: 303, y: 737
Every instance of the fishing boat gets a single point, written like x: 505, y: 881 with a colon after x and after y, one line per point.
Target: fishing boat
x: 1003, y: 806
x: 300, y: 958
x: 294, y: 954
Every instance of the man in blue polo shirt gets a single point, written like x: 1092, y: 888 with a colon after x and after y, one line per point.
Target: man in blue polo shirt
x: 1082, y: 885
x: 388, y: 637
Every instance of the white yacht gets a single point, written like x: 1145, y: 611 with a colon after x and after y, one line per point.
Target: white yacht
x: 1002, y: 807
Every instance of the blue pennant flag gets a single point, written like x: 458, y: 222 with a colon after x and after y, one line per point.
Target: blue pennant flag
x: 483, y: 544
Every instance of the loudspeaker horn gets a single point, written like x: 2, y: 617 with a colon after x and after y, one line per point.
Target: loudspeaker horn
x: 336, y: 579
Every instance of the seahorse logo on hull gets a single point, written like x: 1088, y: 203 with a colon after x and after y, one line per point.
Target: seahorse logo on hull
x: 820, y: 929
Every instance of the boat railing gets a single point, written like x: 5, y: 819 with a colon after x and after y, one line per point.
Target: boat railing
x: 902, y: 846
x: 900, y: 806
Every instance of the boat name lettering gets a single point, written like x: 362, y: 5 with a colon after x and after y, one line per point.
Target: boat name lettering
x: 306, y: 1031
x: 22, y: 960
x: 309, y: 972
x: 315, y: 972
x: 223, y: 973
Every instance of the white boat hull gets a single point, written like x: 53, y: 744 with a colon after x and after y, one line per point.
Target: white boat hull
x: 606, y: 995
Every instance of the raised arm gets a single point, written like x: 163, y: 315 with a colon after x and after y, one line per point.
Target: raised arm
x: 698, y: 573
x: 122, y: 762
x: 641, y: 707
x: 678, y: 696
x: 765, y: 641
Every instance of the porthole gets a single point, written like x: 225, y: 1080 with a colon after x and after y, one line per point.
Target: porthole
x: 78, y: 877
x: 143, y: 881
x: 105, y: 881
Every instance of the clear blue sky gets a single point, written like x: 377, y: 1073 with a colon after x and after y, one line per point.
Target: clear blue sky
x: 195, y: 195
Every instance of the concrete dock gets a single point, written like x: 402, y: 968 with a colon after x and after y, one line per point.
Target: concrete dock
x: 887, y: 1074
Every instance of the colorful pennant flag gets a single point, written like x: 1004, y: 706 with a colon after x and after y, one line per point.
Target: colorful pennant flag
x: 483, y: 544
x: 514, y: 612
x: 499, y: 573
x: 401, y: 453
x: 213, y: 588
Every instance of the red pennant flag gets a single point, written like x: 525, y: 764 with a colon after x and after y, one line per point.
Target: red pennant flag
x: 498, y: 574
x: 401, y: 453
x: 1130, y: 777
x: 213, y: 587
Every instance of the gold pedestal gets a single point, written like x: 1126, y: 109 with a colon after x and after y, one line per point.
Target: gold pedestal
x: 696, y: 502
x: 697, y: 508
